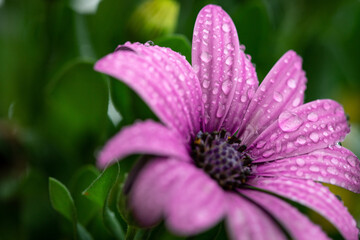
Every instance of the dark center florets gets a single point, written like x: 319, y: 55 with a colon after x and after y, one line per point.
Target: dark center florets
x: 222, y: 156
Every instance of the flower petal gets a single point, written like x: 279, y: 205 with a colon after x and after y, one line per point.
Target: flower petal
x: 283, y: 88
x: 246, y: 221
x: 197, y: 205
x: 335, y: 165
x: 147, y: 137
x: 298, y: 225
x: 315, y: 196
x: 311, y: 126
x: 188, y: 199
x: 163, y: 78
x: 228, y: 79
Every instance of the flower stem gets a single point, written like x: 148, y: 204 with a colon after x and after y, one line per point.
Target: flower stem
x: 130, y: 233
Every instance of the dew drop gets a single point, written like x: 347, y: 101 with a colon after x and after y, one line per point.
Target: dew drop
x: 149, y: 43
x: 351, y: 160
x: 229, y: 61
x: 205, y: 57
x: 332, y: 170
x: 314, y: 137
x: 182, y: 77
x: 230, y: 46
x: 243, y: 98
x: 326, y: 106
x: 204, y: 97
x: 225, y: 27
x: 300, y: 162
x: 220, y: 111
x: 277, y: 96
x: 215, y: 90
x: 334, y: 161
x: 296, y: 102
x: 291, y: 83
x: 226, y: 87
x: 250, y: 81
x: 332, y: 180
x: 206, y: 83
x: 301, y: 140
x: 313, y: 117
x: 242, y: 47
x: 196, y: 68
x: 289, y: 122
x: 260, y: 144
x: 268, y: 153
x: 314, y: 168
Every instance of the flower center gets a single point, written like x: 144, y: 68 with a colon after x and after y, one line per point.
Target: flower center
x: 222, y: 156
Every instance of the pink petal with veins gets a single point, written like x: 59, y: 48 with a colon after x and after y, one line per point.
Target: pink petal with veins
x: 228, y: 79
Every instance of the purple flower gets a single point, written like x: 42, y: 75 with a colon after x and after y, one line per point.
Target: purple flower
x: 226, y: 148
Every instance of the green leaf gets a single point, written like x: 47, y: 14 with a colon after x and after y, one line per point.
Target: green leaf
x: 100, y: 187
x: 61, y: 199
x: 178, y: 43
x: 83, y: 233
x: 86, y: 209
x: 112, y: 223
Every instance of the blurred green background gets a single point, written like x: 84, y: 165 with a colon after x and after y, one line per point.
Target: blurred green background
x: 54, y: 109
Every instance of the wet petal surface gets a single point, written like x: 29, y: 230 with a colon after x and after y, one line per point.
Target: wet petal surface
x: 187, y: 199
x: 227, y: 77
x: 311, y: 126
x: 163, y: 78
x: 147, y: 137
x: 335, y: 165
x: 315, y: 196
x: 298, y: 225
x: 283, y: 88
x: 245, y: 220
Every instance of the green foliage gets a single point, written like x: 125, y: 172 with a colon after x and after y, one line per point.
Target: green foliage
x: 61, y: 199
x: 100, y: 187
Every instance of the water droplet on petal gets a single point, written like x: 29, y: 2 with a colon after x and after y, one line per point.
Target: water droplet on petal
x: 351, y: 160
x: 225, y: 27
x: 332, y: 180
x: 196, y: 68
x: 326, y: 106
x: 291, y: 83
x: 230, y: 46
x: 149, y: 43
x: 334, y: 161
x: 220, y: 111
x: 268, y: 153
x: 250, y: 81
x: 314, y: 137
x: 332, y: 170
x: 204, y: 97
x: 182, y: 77
x: 226, y: 87
x: 289, y: 122
x: 277, y: 96
x: 300, y: 162
x: 314, y: 168
x: 242, y: 47
x: 205, y: 57
x: 229, y: 61
x: 296, y: 102
x: 215, y: 90
x: 260, y: 144
x: 301, y: 140
x: 313, y: 117
x: 206, y: 83
x: 243, y: 98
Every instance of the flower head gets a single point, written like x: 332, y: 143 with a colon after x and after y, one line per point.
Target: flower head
x: 226, y: 147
